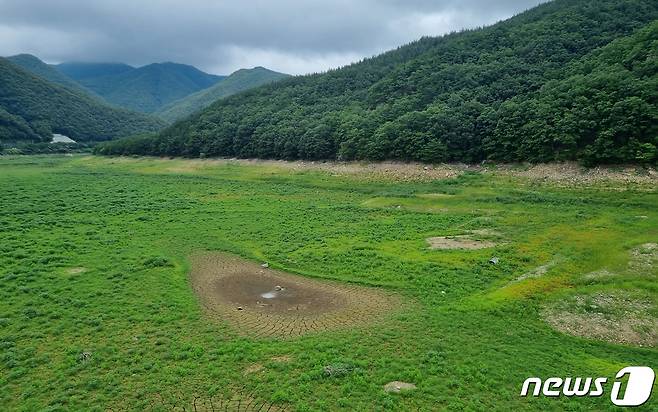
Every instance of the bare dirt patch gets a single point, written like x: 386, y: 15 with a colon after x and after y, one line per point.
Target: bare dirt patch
x: 458, y: 242
x: 262, y: 302
x: 610, y: 316
x: 255, y: 368
x: 644, y: 258
x: 570, y: 174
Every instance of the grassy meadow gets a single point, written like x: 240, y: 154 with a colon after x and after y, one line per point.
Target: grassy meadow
x: 96, y: 310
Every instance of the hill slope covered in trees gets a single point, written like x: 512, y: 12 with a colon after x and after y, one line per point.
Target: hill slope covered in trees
x: 500, y: 92
x: 32, y: 109
x: 145, y: 89
x: 241, y: 80
x: 47, y: 72
x: 603, y: 109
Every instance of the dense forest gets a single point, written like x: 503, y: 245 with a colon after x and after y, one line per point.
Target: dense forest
x: 243, y: 79
x: 549, y: 84
x: 32, y: 109
x: 47, y: 72
x: 145, y: 89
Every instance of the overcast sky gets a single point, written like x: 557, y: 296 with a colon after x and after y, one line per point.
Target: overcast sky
x: 221, y: 36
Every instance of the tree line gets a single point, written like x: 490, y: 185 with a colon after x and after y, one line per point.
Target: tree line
x: 570, y: 79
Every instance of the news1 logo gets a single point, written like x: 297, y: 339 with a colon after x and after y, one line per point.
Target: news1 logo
x: 635, y: 393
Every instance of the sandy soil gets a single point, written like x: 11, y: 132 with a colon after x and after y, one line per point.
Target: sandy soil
x: 573, y: 175
x: 611, y: 317
x: 263, y: 302
x: 458, y: 242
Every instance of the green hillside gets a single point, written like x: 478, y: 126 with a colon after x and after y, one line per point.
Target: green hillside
x: 603, y: 110
x: 47, y: 72
x: 438, y: 99
x: 32, y: 109
x: 144, y: 89
x: 237, y: 82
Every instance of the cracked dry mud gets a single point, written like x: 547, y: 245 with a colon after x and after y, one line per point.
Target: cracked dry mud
x: 262, y: 302
x: 239, y: 401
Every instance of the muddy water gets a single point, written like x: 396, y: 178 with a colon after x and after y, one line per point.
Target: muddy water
x: 257, y: 290
x: 261, y: 302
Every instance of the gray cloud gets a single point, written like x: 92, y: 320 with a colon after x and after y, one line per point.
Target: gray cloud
x: 293, y: 36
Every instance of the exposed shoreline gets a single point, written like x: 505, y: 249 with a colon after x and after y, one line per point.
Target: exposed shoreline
x: 564, y: 173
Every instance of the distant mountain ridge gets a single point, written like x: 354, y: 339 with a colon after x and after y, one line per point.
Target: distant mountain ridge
x: 237, y: 82
x: 32, y: 109
x: 82, y: 71
x: 145, y: 89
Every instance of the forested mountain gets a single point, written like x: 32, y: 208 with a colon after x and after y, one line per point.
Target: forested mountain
x: 32, y: 109
x: 501, y: 92
x: 241, y: 80
x: 84, y: 71
x: 604, y: 108
x: 145, y: 89
x: 47, y: 72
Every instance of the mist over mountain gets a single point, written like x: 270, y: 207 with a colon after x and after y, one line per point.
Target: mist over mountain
x: 84, y: 71
x: 145, y: 89
x: 47, y: 72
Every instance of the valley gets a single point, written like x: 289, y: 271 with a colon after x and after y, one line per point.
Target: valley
x: 317, y: 206
x: 98, y: 306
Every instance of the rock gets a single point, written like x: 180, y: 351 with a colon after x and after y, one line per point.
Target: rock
x: 265, y: 265
x: 240, y: 308
x: 397, y: 386
x: 493, y: 260
x: 84, y: 356
x: 337, y: 370
x: 277, y: 287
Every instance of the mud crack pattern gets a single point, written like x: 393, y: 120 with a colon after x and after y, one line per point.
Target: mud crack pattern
x: 265, y: 303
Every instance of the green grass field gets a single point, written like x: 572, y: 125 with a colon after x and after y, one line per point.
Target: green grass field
x: 93, y: 259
